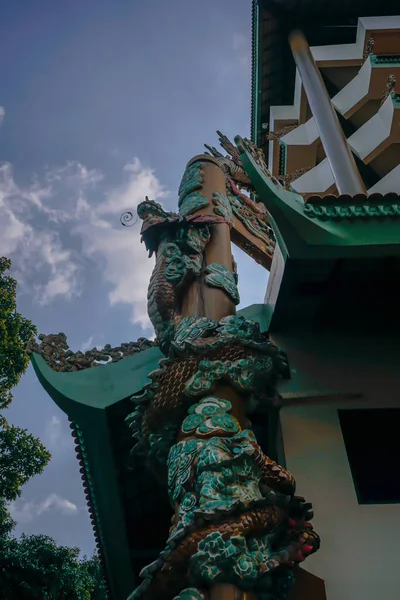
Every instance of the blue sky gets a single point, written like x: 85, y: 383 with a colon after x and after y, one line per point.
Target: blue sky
x: 103, y: 102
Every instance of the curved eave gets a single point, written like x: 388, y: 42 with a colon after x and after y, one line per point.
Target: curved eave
x: 92, y: 509
x: 97, y: 387
x: 87, y: 397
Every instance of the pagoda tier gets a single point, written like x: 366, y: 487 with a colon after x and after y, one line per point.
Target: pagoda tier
x: 360, y: 78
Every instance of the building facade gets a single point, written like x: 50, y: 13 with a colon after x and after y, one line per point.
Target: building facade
x: 339, y: 435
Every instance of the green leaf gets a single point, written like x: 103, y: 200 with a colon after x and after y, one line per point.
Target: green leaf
x: 21, y: 457
x: 34, y: 567
x: 15, y: 333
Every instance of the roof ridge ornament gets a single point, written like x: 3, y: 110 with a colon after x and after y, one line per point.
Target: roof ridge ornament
x: 58, y: 355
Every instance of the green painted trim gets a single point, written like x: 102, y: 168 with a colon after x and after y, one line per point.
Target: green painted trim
x: 384, y: 61
x: 300, y: 227
x: 396, y: 99
x: 350, y: 210
x: 256, y: 94
x: 106, y: 501
x: 97, y: 387
x: 293, y: 228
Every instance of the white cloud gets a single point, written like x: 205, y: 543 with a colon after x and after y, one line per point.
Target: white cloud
x: 241, y: 46
x: 38, y: 223
x: 37, y: 251
x: 126, y: 266
x: 53, y: 430
x: 2, y: 114
x: 141, y: 182
x: 57, y: 436
x: 88, y: 345
x: 74, y: 174
x: 24, y: 511
x: 60, y: 504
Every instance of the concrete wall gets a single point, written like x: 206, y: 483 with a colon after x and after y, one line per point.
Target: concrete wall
x: 360, y: 544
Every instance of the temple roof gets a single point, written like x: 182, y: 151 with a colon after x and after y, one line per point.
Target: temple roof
x: 273, y: 67
x: 129, y: 515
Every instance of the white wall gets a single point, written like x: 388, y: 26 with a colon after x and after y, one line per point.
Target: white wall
x: 359, y: 558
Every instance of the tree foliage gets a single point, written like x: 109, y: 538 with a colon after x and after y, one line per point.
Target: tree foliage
x: 7, y: 524
x: 35, y: 568
x: 21, y: 457
x: 31, y: 567
x: 15, y: 333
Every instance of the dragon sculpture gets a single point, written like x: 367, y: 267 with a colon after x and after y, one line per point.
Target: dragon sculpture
x: 179, y: 239
x: 236, y: 517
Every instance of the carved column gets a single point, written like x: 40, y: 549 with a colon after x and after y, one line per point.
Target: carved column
x: 238, y: 528
x: 201, y: 299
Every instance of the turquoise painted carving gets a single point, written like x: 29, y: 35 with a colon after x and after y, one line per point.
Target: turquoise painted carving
x: 210, y: 417
x: 247, y: 563
x: 253, y: 217
x: 178, y: 263
x: 158, y: 413
x: 222, y: 206
x: 179, y: 258
x: 197, y: 238
x: 191, y: 329
x: 246, y: 375
x: 219, y: 276
x: 179, y: 241
x: 179, y: 462
x: 230, y: 526
x: 201, y: 333
x: 218, y: 559
x: 384, y: 208
x: 175, y: 262
x: 192, y: 179
x: 236, y: 518
x: 227, y: 477
x: 385, y: 59
x: 192, y: 203
x: 224, y: 474
x: 208, y: 477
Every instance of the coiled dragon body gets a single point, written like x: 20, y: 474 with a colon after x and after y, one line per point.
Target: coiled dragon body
x: 236, y: 516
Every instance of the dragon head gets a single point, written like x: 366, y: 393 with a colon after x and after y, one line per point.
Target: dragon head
x: 150, y: 211
x: 154, y: 217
